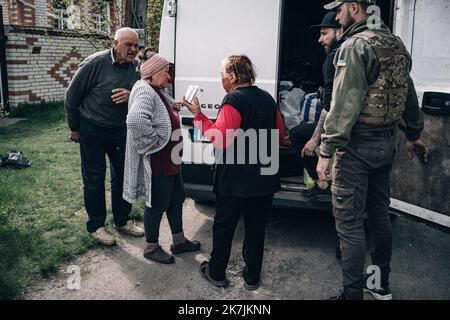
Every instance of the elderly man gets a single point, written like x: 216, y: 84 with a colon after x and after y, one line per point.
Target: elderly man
x: 96, y: 106
x: 372, y: 94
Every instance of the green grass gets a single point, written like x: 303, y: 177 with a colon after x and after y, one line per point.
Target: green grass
x: 39, y: 227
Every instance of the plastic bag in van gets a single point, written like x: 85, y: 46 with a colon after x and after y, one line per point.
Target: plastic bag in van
x: 291, y: 102
x: 307, y: 180
x: 311, y: 109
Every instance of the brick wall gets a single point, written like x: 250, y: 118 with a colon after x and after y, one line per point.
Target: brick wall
x: 41, y: 62
x: 41, y: 19
x: 4, y: 5
x: 15, y: 12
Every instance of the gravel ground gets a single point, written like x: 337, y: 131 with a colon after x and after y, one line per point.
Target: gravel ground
x: 299, y: 263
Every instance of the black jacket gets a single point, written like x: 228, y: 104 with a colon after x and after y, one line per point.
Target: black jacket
x: 245, y: 178
x: 328, y: 71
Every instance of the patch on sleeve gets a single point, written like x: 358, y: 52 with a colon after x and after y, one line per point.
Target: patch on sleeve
x: 341, y: 63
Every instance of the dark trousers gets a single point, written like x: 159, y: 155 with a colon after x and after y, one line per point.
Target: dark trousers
x: 95, y: 143
x: 256, y: 213
x: 167, y: 196
x: 361, y: 187
x: 300, y: 135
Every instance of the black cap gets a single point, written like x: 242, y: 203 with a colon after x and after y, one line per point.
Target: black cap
x: 329, y: 21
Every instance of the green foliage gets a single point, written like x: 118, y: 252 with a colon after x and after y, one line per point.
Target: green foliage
x: 3, y: 113
x: 154, y: 14
x: 30, y: 110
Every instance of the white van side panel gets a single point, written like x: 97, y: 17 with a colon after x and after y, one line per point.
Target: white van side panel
x: 423, y: 27
x: 201, y: 35
x: 207, y: 31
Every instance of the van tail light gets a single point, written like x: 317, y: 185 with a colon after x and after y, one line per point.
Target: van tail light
x: 437, y: 103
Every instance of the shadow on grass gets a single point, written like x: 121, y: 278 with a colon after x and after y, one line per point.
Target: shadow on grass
x: 15, y: 245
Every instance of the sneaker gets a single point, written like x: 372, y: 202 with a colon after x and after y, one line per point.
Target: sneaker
x: 159, y: 255
x: 379, y: 294
x: 104, y: 237
x: 318, y: 194
x: 187, y: 246
x: 131, y: 229
x: 204, y: 271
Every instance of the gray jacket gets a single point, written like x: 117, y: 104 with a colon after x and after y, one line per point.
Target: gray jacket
x: 148, y: 131
x: 89, y: 93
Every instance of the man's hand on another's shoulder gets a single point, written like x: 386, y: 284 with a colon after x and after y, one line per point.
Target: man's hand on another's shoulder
x: 120, y: 95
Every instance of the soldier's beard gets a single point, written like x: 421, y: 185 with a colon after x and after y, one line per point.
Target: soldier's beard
x: 330, y: 47
x: 349, y: 21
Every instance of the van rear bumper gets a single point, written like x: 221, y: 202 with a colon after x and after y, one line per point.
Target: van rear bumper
x: 282, y: 199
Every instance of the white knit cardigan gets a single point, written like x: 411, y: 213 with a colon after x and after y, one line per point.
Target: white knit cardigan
x: 148, y: 131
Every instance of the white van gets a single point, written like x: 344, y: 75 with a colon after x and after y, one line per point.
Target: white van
x: 276, y: 35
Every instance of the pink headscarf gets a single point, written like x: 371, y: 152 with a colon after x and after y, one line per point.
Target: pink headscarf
x: 152, y: 66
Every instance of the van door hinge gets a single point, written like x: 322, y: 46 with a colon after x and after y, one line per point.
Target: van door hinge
x: 172, y: 8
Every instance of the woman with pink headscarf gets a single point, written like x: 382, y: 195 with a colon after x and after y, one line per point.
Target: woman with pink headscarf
x: 151, y: 172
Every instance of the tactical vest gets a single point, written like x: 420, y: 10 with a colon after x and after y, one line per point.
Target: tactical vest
x: 386, y: 97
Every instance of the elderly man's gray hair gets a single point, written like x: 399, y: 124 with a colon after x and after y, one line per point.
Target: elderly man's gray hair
x: 120, y: 32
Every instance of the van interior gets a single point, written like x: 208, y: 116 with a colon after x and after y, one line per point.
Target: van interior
x: 300, y: 61
x: 301, y: 58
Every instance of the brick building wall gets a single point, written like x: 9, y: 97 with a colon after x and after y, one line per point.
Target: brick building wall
x: 42, y: 63
x: 5, y: 11
x: 34, y: 12
x: 41, y: 60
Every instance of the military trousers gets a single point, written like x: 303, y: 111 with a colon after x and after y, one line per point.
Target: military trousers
x: 360, y: 192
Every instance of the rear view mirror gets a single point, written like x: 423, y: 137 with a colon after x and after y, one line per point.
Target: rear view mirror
x: 436, y: 103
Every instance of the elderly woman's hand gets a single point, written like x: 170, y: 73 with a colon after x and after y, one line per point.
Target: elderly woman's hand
x: 194, y: 108
x: 178, y: 106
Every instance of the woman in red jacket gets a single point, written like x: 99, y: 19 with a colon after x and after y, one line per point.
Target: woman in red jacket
x: 240, y: 182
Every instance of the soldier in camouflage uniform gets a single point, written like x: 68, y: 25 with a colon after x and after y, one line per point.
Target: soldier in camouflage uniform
x: 372, y: 94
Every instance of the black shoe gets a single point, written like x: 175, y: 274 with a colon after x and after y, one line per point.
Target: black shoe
x: 249, y: 285
x: 340, y: 296
x: 159, y: 255
x: 187, y: 246
x: 252, y: 287
x: 204, y: 271
x: 379, y: 294
x: 318, y: 194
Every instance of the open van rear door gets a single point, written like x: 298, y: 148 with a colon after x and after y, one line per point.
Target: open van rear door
x: 201, y: 34
x: 207, y: 31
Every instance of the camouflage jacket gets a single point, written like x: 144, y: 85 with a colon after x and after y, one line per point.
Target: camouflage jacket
x: 357, y: 67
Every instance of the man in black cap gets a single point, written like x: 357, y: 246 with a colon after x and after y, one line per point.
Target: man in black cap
x: 373, y: 94
x: 330, y: 33
x: 306, y: 136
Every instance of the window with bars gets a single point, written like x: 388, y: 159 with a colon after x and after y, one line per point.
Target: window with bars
x: 66, y: 15
x: 102, y: 17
